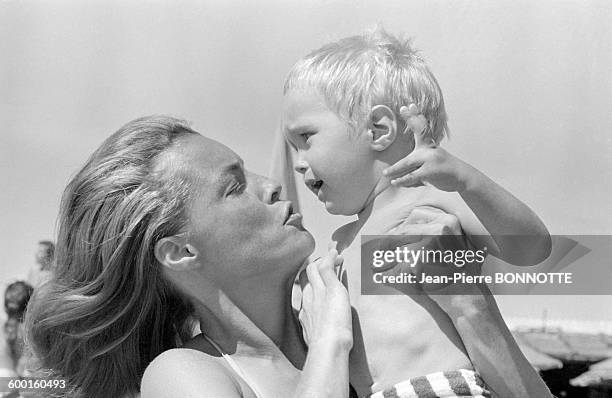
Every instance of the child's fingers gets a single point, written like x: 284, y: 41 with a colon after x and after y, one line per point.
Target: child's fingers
x: 419, y: 133
x: 415, y: 122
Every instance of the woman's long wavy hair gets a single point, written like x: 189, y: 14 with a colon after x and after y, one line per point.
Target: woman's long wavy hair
x: 108, y: 311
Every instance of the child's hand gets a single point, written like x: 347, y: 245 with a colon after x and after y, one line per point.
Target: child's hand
x: 427, y: 163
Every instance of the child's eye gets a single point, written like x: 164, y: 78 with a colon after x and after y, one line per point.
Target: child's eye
x: 306, y: 136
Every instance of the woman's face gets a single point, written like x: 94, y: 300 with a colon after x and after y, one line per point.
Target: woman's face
x: 235, y: 220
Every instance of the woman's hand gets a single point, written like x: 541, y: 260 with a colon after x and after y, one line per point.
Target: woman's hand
x: 429, y: 229
x: 326, y: 312
x: 327, y: 326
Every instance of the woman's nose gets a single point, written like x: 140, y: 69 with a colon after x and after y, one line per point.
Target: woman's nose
x: 271, y: 191
x: 266, y: 189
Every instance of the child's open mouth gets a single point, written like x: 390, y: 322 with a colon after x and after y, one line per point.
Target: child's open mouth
x: 314, y: 185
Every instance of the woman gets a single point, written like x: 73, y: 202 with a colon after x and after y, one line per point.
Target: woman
x: 162, y: 224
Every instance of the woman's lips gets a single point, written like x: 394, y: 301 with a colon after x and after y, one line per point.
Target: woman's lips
x: 295, y: 220
x: 288, y: 211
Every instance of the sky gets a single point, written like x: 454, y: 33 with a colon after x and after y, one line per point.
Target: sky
x: 527, y: 87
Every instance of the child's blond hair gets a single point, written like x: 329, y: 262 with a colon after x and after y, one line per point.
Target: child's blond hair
x: 358, y: 72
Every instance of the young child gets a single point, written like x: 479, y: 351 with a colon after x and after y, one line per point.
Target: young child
x: 351, y: 110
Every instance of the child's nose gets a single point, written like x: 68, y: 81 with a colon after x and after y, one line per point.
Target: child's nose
x: 301, y: 166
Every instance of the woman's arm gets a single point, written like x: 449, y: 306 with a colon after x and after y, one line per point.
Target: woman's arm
x: 489, y: 344
x: 325, y: 372
x: 326, y: 321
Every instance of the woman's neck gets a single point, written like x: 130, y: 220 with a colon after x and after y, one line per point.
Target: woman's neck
x: 258, y: 322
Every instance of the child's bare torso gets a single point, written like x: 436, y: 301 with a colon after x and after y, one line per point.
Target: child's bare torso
x: 396, y: 336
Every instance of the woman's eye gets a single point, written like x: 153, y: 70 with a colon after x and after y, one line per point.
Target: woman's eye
x: 236, y: 189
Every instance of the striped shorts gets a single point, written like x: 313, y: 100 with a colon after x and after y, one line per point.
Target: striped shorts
x: 453, y: 384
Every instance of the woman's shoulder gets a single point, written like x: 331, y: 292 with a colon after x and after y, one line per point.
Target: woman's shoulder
x: 188, y: 372
x: 183, y: 355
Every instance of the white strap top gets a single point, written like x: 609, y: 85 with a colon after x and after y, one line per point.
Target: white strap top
x: 234, y: 366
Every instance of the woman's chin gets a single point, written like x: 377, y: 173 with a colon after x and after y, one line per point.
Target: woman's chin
x: 306, y: 241
x: 309, y: 246
x: 299, y: 257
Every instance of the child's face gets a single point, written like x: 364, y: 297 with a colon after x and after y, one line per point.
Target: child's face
x: 337, y: 165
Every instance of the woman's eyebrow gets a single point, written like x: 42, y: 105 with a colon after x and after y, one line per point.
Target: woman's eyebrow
x: 227, y: 175
x: 233, y: 167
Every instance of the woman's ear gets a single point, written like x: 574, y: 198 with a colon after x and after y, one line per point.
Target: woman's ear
x: 382, y: 127
x: 176, y: 254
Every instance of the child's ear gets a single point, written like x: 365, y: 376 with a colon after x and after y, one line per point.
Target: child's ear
x: 382, y: 127
x: 176, y: 254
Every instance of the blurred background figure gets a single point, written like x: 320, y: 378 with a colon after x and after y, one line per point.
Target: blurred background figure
x: 16, y: 297
x: 41, y: 271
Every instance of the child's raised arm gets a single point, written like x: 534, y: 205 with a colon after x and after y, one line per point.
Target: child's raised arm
x: 519, y: 235
x: 489, y: 344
